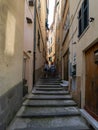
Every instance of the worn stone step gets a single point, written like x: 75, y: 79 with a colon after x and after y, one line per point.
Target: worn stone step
x: 49, y: 89
x: 49, y: 103
x: 55, y: 128
x: 51, y: 123
x: 51, y: 92
x: 50, y: 79
x: 48, y: 97
x: 30, y: 112
x: 48, y: 82
x: 43, y: 85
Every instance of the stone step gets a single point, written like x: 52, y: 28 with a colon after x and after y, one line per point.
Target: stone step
x: 47, y: 83
x: 30, y: 112
x: 49, y: 123
x: 51, y: 92
x: 48, y: 80
x: 51, y: 79
x: 55, y: 128
x: 53, y: 86
x: 48, y: 97
x: 49, y: 103
x: 49, y: 89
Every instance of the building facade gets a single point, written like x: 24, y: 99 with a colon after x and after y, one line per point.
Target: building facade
x: 65, y: 39
x: 11, y: 58
x: 35, y: 28
x: 58, y: 36
x: 51, y: 45
x: 28, y: 46
x: 84, y: 54
x: 62, y: 37
x: 76, y: 46
x: 22, y: 49
x: 41, y: 37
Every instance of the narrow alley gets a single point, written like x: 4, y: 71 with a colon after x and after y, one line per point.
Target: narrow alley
x: 48, y: 65
x: 49, y: 107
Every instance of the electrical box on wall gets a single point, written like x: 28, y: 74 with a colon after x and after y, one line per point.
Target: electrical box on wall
x: 74, y: 70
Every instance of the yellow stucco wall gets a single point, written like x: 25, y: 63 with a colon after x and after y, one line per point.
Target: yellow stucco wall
x: 51, y: 43
x: 40, y: 44
x: 11, y: 43
x: 39, y: 52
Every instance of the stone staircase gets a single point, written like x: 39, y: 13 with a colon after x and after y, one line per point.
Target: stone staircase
x: 49, y: 107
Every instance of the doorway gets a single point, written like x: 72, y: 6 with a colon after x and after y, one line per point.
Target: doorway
x: 91, y: 90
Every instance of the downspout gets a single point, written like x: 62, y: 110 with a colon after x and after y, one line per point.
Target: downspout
x: 34, y: 47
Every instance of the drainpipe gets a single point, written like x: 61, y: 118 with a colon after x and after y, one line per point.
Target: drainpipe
x: 34, y: 47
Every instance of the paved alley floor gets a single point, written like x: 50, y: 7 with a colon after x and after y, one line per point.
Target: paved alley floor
x: 49, y: 107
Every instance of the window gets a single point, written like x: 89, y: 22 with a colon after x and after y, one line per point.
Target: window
x: 83, y: 17
x: 39, y: 5
x: 39, y: 8
x: 50, y: 50
x: 50, y: 58
x: 66, y: 26
x: 57, y: 3
x: 38, y: 44
x: 50, y: 40
x: 46, y: 24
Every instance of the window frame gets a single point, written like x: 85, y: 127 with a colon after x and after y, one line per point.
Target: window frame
x: 38, y: 42
x: 83, y: 21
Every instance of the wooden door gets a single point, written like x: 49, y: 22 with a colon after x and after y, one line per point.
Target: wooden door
x: 91, y: 91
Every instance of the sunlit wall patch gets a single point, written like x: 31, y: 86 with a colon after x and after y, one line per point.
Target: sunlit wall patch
x: 10, y: 35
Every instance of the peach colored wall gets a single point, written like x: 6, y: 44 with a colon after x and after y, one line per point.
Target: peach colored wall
x: 28, y: 43
x: 40, y: 26
x: 51, y: 44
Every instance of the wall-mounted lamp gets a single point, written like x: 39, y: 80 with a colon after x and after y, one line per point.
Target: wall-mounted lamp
x: 91, y: 19
x: 29, y: 20
x: 31, y: 3
x: 29, y: 51
x: 74, y: 43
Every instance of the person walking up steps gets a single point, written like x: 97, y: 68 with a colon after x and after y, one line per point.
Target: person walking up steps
x: 53, y: 69
x: 46, y: 69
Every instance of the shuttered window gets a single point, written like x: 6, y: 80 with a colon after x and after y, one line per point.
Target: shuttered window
x: 83, y: 17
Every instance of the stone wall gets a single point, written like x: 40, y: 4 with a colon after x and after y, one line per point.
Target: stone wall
x: 10, y: 102
x: 77, y: 92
